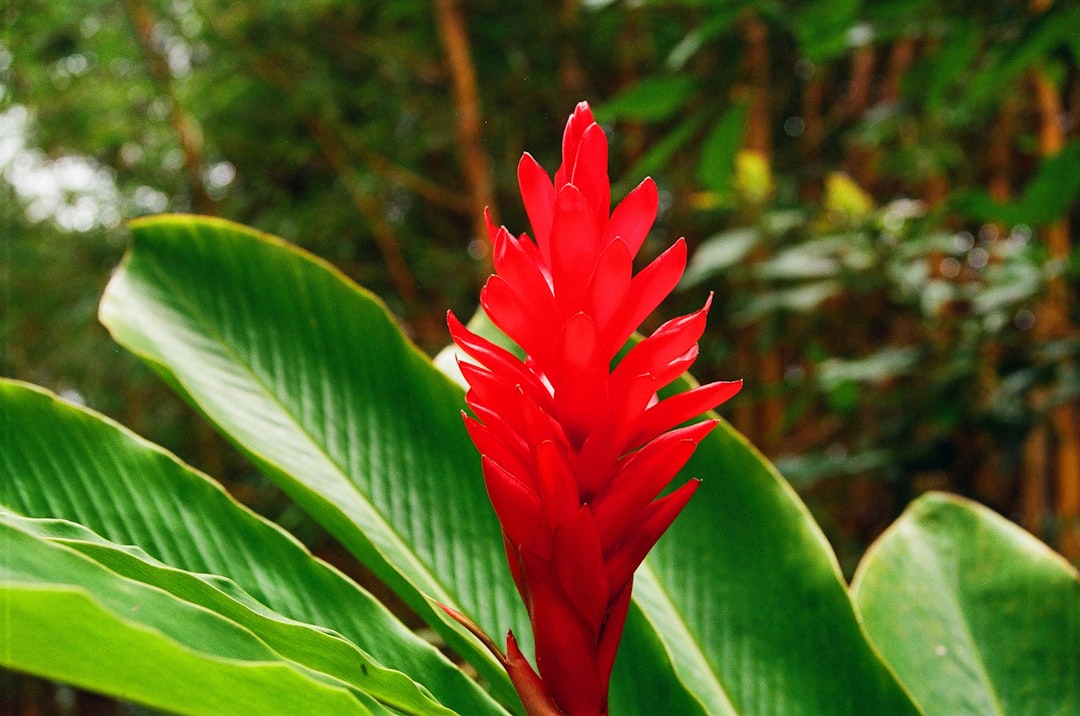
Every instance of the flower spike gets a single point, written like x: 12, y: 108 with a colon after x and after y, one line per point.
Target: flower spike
x: 575, y: 451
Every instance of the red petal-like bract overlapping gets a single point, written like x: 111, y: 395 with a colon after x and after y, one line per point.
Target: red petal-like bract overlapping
x: 575, y: 452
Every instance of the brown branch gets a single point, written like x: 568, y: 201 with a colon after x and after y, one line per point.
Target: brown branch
x: 861, y: 158
x: 187, y: 131
x: 469, y: 121
x: 379, y: 164
x: 765, y: 418
x: 1033, y: 478
x: 901, y: 56
x: 999, y: 150
x: 338, y: 153
x: 756, y: 69
x: 394, y: 173
x: 396, y: 266
x: 863, y: 60
x: 571, y: 73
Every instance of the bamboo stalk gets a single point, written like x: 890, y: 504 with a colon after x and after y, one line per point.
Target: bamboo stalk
x: 756, y: 69
x: 1033, y: 487
x: 1053, y: 323
x: 901, y: 56
x: 767, y: 421
x: 863, y: 60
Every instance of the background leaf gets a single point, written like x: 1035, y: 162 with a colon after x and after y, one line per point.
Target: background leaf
x: 975, y: 615
x: 823, y: 27
x: 723, y: 142
x: 652, y: 100
x: 1046, y: 32
x: 1051, y: 193
x: 660, y: 153
x: 719, y: 253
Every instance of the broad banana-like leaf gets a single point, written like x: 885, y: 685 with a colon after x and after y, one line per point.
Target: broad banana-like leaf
x: 62, y: 465
x: 976, y: 616
x: 310, y: 376
x: 67, y: 617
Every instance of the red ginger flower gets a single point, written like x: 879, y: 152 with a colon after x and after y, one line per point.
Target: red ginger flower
x: 574, y: 453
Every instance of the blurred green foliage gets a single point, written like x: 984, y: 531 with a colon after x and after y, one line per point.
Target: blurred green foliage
x: 832, y: 163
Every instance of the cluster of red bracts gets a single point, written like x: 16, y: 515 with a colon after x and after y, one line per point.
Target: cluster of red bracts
x: 575, y: 452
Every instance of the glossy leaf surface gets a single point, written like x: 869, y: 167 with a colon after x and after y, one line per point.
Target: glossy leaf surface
x: 747, y: 596
x: 975, y: 615
x: 194, y: 542
x: 309, y: 375
x: 68, y: 617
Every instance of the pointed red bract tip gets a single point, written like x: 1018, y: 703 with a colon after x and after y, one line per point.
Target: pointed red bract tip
x: 576, y: 449
x: 530, y: 688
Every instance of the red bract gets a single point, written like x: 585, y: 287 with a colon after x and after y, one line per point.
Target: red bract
x: 575, y: 453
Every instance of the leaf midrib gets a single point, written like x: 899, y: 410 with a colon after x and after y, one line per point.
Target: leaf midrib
x: 192, y: 310
x: 697, y: 654
x: 960, y: 618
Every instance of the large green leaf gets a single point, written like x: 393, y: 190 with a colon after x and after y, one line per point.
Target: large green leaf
x: 749, y: 599
x: 67, y: 617
x: 741, y: 610
x: 311, y: 377
x: 657, y: 640
x: 314, y: 648
x: 73, y: 465
x: 975, y: 615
